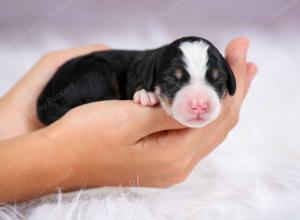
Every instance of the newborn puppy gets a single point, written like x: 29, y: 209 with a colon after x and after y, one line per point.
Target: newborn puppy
x: 189, y: 78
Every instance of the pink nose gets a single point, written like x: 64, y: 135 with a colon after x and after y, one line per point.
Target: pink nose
x: 198, y: 107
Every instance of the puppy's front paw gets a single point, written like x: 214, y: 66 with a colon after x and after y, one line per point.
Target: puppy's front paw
x: 145, y: 98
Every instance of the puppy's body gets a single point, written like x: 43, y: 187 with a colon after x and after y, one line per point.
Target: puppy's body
x: 105, y: 75
x: 178, y: 74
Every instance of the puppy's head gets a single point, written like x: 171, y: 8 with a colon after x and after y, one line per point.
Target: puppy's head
x: 191, y: 79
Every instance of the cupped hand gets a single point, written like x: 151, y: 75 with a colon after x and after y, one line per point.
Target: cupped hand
x: 18, y: 106
x: 122, y: 143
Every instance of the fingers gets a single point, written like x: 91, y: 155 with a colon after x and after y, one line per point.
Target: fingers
x: 153, y: 119
x: 85, y: 49
x: 47, y: 65
x: 53, y: 59
x: 236, y: 56
x: 236, y: 52
x: 251, y: 73
x: 251, y: 70
x: 37, y: 77
x: 203, y: 151
x: 133, y: 121
x: 136, y: 120
x: 78, y: 51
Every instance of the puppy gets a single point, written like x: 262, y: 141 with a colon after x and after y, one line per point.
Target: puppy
x: 189, y: 78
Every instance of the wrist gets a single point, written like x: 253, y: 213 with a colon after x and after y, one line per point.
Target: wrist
x: 14, y: 120
x: 68, y: 153
x: 34, y: 165
x: 82, y: 151
x: 64, y: 162
x: 7, y: 126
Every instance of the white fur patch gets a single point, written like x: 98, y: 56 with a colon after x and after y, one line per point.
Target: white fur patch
x: 195, y: 57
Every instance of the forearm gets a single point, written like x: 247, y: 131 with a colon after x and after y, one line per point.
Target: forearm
x: 34, y: 165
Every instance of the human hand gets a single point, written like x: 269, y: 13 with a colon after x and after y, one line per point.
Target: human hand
x: 18, y: 105
x: 110, y: 142
x: 121, y: 143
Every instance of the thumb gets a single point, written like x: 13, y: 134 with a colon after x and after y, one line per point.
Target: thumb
x: 251, y: 73
x: 236, y: 55
x: 150, y: 120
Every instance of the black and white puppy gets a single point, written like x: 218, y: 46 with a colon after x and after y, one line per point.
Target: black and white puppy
x: 188, y: 77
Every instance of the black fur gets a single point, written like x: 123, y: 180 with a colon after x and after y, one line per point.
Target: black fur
x: 118, y: 74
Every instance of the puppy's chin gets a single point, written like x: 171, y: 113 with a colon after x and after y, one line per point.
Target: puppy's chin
x: 195, y: 122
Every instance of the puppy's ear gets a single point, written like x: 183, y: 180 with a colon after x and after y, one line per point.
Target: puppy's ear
x: 149, y: 73
x: 231, y: 82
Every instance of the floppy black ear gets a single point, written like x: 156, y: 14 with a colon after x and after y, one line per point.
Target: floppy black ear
x: 231, y: 83
x: 149, y: 73
x: 149, y: 76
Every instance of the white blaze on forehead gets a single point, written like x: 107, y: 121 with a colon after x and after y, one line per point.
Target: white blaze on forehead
x: 195, y: 57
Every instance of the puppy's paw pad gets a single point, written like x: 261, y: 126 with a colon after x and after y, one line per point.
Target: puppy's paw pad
x: 153, y: 98
x: 145, y: 98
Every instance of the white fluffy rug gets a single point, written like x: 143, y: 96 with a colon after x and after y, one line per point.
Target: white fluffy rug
x: 255, y: 174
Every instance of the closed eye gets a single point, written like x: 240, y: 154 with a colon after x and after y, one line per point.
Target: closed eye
x: 171, y: 77
x: 218, y: 77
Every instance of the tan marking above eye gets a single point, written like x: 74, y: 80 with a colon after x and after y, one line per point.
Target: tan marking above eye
x: 178, y: 74
x: 215, y: 74
x: 157, y: 90
x: 166, y: 100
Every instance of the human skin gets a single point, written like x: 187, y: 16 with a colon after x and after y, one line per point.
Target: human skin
x: 108, y: 143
